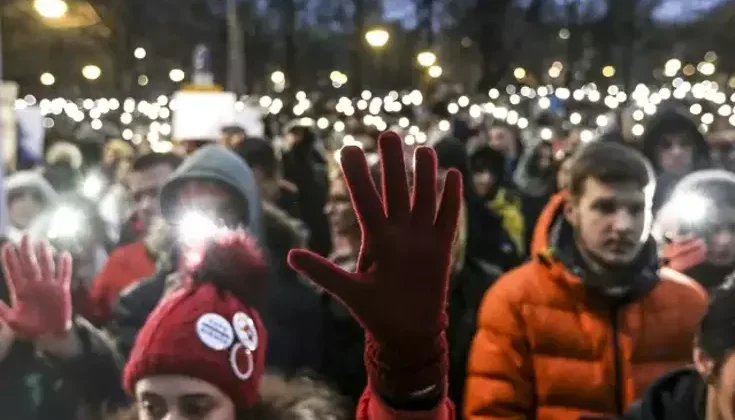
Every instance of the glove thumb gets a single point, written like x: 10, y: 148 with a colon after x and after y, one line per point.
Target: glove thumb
x: 324, y: 273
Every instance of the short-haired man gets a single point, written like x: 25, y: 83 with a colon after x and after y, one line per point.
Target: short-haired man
x: 582, y: 329
x: 147, y: 230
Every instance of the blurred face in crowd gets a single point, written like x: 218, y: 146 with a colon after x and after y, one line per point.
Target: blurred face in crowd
x: 721, y: 238
x: 24, y: 208
x: 144, y: 187
x: 562, y: 176
x: 232, y: 138
x: 342, y: 216
x: 211, y: 200
x: 676, y: 154
x: 176, y: 397
x: 503, y: 140
x: 610, y: 222
x: 484, y: 181
x: 267, y: 184
x: 544, y: 158
x: 720, y: 384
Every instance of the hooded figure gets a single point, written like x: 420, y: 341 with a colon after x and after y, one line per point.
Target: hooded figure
x: 675, y: 147
x: 703, y: 206
x: 28, y: 195
x: 213, y: 164
x: 223, y: 169
x: 487, y: 240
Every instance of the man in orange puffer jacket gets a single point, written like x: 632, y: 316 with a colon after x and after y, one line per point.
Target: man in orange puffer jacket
x: 582, y: 329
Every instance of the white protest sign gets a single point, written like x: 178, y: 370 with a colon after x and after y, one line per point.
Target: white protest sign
x: 201, y: 115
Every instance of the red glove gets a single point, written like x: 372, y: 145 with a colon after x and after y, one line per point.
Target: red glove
x: 39, y: 294
x: 399, y: 292
x: 681, y: 254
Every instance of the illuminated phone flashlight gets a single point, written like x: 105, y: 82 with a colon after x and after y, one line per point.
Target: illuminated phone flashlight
x: 692, y: 209
x: 197, y: 228
x: 66, y: 223
x: 93, y: 186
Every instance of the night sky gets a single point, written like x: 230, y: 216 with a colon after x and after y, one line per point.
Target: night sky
x: 669, y: 11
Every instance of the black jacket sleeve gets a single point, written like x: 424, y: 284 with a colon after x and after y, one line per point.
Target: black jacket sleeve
x: 132, y: 309
x: 96, y: 373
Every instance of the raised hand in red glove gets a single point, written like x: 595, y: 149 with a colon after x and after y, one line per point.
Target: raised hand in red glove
x: 399, y: 293
x: 39, y: 291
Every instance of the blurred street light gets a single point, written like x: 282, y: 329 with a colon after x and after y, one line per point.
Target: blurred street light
x: 47, y: 79
x: 608, y: 71
x: 435, y: 72
x: 377, y: 38
x: 426, y: 59
x: 91, y: 72
x: 177, y: 75
x: 519, y: 73
x: 278, y: 78
x: 140, y: 53
x: 51, y: 9
x: 142, y: 80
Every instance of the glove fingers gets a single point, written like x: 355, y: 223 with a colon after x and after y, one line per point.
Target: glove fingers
x: 424, y: 187
x: 324, y: 273
x: 363, y: 194
x: 451, y: 203
x: 395, y: 184
x: 11, y: 268
x: 45, y: 261
x: 28, y: 263
x: 63, y: 275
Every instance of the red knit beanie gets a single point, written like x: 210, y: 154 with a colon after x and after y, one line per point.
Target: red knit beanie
x: 210, y: 330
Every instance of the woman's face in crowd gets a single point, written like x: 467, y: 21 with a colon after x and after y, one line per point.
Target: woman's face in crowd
x: 675, y: 154
x: 562, y: 177
x: 342, y: 216
x: 177, y: 397
x: 23, y: 209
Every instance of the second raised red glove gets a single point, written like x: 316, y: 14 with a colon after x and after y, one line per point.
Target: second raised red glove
x: 400, y: 297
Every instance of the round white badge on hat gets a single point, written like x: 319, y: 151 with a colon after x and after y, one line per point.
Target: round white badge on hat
x: 245, y: 330
x: 215, y: 332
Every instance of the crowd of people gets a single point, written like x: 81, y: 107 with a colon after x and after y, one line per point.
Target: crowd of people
x: 484, y: 275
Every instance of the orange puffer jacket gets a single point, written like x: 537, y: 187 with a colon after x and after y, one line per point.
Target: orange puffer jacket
x: 548, y: 347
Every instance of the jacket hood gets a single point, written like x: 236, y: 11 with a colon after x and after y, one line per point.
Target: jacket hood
x: 553, y: 243
x: 217, y: 164
x: 676, y: 395
x: 31, y: 180
x: 671, y: 121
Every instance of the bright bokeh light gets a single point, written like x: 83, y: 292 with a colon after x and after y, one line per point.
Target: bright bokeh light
x: 435, y: 72
x: 426, y: 59
x: 519, y: 73
x: 278, y: 78
x: 177, y: 75
x: 91, y: 72
x: 140, y: 53
x: 608, y: 71
x: 51, y: 9
x: 47, y: 79
x: 377, y: 38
